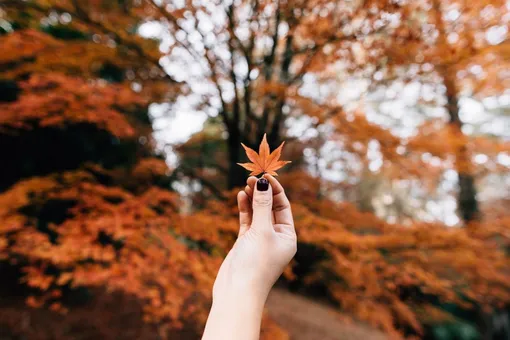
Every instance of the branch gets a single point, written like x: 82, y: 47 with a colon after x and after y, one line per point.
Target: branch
x: 284, y: 77
x: 269, y: 59
x: 211, y: 63
x: 268, y: 68
x: 247, y: 81
x: 231, y: 22
x: 313, y: 52
x: 191, y: 173
x: 174, y: 21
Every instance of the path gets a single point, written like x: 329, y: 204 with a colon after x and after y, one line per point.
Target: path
x: 305, y: 319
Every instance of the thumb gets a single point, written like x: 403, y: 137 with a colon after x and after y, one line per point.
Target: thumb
x: 262, y: 204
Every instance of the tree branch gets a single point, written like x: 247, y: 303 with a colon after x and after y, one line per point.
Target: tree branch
x: 284, y: 79
x: 231, y: 22
x: 249, y: 115
x: 191, y: 173
x: 210, y: 62
x: 270, y: 58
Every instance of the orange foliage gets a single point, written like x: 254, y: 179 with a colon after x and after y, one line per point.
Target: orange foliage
x: 24, y: 46
x: 56, y: 100
x: 32, y: 52
x: 110, y: 238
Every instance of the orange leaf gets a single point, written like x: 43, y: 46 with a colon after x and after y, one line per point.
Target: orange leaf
x: 264, y: 161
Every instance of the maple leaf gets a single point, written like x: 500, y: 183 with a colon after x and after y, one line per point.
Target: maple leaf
x: 264, y: 161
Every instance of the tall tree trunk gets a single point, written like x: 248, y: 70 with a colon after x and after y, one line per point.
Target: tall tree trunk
x: 466, y: 200
x: 236, y: 174
x: 273, y: 136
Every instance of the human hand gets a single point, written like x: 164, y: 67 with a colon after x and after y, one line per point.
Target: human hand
x: 266, y: 243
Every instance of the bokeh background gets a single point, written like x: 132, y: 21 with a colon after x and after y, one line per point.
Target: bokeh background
x: 120, y: 130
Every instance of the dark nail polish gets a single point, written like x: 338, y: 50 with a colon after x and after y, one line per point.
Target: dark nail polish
x: 262, y: 184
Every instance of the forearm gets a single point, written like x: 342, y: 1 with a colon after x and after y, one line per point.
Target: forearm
x: 235, y: 316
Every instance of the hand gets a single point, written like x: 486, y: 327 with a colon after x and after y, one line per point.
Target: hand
x: 265, y: 245
x: 266, y: 242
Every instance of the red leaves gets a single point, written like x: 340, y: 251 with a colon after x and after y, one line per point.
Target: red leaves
x: 264, y: 161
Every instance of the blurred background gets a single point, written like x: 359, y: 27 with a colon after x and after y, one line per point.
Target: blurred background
x: 121, y: 124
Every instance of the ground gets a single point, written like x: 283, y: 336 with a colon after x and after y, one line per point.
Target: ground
x: 305, y: 319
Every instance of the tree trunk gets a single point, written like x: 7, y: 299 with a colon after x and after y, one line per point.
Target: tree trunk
x: 236, y: 174
x: 466, y: 200
x: 273, y: 139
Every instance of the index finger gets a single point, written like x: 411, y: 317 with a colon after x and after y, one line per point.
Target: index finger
x: 281, y: 205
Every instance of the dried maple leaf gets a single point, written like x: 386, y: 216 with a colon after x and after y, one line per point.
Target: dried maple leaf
x: 264, y: 162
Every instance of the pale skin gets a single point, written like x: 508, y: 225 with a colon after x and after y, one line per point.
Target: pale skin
x: 265, y: 245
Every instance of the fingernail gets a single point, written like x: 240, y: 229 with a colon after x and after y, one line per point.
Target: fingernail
x: 262, y: 184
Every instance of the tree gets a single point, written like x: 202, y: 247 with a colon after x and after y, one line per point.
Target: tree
x: 430, y: 47
x: 251, y: 59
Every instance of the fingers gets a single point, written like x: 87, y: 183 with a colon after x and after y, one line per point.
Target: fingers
x: 282, y: 213
x: 250, y: 187
x: 243, y: 203
x: 281, y: 204
x: 262, y: 204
